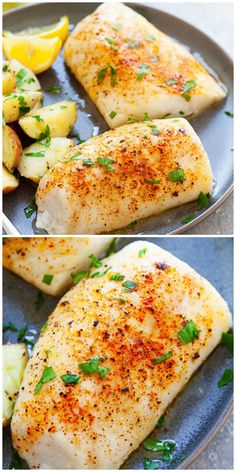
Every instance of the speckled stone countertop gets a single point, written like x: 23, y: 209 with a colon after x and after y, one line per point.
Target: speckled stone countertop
x: 216, y: 20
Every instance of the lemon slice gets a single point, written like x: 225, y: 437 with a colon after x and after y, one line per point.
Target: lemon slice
x: 59, y: 29
x: 36, y: 53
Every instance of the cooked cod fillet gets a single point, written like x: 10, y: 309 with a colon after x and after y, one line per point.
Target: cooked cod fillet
x: 129, y: 68
x: 32, y: 258
x: 127, y: 323
x: 112, y: 179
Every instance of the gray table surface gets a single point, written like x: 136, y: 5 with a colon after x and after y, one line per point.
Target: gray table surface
x: 216, y: 20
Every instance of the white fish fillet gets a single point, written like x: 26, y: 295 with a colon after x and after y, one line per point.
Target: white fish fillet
x: 32, y: 258
x: 81, y: 196
x: 129, y: 67
x: 98, y: 422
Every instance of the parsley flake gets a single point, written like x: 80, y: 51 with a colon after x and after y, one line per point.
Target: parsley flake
x: 48, y: 374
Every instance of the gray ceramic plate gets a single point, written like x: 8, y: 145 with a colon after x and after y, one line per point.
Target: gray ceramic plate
x: 200, y: 409
x: 213, y: 126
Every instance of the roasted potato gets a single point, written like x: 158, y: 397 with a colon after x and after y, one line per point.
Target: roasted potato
x: 11, y: 148
x: 14, y: 357
x: 18, y: 104
x: 37, y: 159
x: 8, y: 79
x: 9, y: 181
x: 26, y: 80
x: 56, y: 119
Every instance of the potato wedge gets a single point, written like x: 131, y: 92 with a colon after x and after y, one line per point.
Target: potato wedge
x: 17, y: 104
x: 9, y: 181
x: 58, y: 118
x: 15, y: 358
x: 26, y: 80
x: 11, y: 148
x: 8, y: 79
x: 37, y: 159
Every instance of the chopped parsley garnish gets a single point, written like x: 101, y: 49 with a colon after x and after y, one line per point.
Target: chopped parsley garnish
x: 151, y: 464
x: 156, y: 131
x: 188, y: 219
x: 113, y: 114
x: 203, y: 199
x: 39, y: 301
x: 112, y: 248
x: 23, y: 105
x: 158, y: 360
x: 158, y: 446
x: 228, y: 113
x: 20, y: 77
x: 47, y: 279
x: 121, y: 300
x: 117, y: 276
x: 132, y: 224
x: 154, y: 59
x: 9, y: 326
x: 78, y: 276
x: 77, y: 136
x: 35, y: 154
x: 28, y: 342
x: 129, y: 286
x: 88, y: 162
x: 100, y: 274
x: 170, y: 82
x: 30, y: 209
x: 94, y: 261
x: 38, y: 118
x: 142, y: 252
x: 132, y: 44
x: 181, y: 112
x: 16, y: 462
x: 116, y: 26
x: 149, y: 37
x: 113, y: 76
x: 189, y: 85
x: 92, y: 366
x: 176, y: 175
x: 53, y: 89
x: 143, y: 71
x: 70, y: 378
x: 45, y: 325
x: 188, y: 333
x: 105, y: 162
x: 226, y: 378
x: 150, y: 181
x: 22, y: 332
x: 111, y: 42
x: 160, y: 421
x: 101, y: 74
x: 146, y: 117
x: 45, y: 134
x: 227, y: 340
x: 48, y: 374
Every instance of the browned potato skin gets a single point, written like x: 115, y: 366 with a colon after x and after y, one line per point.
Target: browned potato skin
x: 11, y: 148
x: 9, y: 181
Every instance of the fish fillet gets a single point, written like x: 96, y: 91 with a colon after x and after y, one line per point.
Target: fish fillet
x: 32, y: 258
x: 129, y: 68
x: 98, y: 422
x: 89, y: 195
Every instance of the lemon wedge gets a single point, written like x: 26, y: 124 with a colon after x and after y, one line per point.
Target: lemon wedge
x: 36, y: 53
x: 59, y: 29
